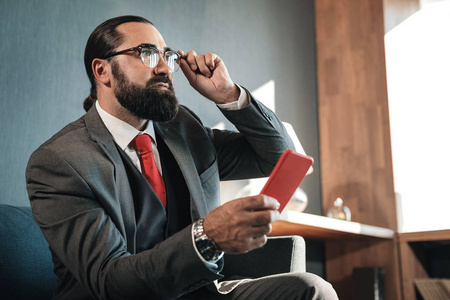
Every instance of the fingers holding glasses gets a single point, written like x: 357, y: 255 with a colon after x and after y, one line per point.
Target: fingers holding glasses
x: 208, y: 75
x: 207, y: 63
x: 200, y: 63
x: 189, y: 66
x: 191, y: 60
x: 202, y: 67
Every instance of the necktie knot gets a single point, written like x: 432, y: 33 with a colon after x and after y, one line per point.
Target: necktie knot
x: 142, y: 143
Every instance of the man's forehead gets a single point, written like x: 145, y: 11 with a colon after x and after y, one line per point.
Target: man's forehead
x: 135, y: 33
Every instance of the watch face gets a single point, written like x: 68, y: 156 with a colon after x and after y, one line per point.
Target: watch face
x: 209, y: 255
x: 206, y: 249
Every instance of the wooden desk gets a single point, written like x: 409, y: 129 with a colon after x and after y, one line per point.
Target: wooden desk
x: 413, y: 257
x: 326, y: 229
x: 348, y: 245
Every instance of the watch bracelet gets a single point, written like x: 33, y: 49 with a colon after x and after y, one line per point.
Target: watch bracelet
x: 205, y: 245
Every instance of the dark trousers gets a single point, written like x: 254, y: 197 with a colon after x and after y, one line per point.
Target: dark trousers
x: 287, y: 286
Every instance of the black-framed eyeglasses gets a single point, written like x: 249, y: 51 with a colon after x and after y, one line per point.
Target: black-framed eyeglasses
x: 150, y: 56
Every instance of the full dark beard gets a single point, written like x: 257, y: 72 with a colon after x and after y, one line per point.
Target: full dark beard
x: 146, y: 102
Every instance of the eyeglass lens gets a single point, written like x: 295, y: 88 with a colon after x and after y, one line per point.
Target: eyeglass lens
x: 150, y: 58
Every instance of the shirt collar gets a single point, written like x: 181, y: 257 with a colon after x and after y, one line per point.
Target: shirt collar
x: 122, y: 132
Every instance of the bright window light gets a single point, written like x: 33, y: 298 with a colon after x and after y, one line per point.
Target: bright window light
x: 418, y: 75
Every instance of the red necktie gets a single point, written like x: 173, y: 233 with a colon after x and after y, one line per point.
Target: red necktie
x: 143, y: 144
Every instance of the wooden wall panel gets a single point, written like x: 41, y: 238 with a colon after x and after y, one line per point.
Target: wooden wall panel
x: 355, y: 148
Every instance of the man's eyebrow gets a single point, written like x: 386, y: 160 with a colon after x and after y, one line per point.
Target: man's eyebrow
x: 147, y: 45
x: 154, y: 46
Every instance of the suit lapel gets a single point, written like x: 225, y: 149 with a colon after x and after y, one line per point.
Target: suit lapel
x: 121, y: 205
x: 175, y: 142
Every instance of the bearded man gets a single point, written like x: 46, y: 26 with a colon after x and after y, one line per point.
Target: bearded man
x: 127, y: 196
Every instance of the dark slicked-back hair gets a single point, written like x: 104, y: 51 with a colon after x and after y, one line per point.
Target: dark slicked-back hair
x: 102, y: 42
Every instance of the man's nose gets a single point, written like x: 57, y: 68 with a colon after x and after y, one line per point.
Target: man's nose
x: 162, y: 67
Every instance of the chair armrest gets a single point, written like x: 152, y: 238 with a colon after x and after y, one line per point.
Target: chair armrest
x: 280, y: 255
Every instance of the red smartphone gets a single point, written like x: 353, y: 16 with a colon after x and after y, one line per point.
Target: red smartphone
x: 287, y: 176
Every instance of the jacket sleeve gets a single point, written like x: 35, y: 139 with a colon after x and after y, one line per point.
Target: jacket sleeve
x: 256, y: 148
x: 84, y: 239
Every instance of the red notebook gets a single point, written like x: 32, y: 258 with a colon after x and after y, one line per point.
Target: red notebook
x: 287, y: 176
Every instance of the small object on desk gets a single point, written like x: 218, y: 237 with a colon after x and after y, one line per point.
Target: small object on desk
x: 339, y: 211
x: 298, y: 202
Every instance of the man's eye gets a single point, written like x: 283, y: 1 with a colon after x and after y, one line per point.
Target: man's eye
x: 147, y: 52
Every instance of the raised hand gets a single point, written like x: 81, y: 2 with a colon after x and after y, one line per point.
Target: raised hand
x: 208, y: 74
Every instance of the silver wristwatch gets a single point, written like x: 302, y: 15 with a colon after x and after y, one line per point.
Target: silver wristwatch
x: 207, y: 248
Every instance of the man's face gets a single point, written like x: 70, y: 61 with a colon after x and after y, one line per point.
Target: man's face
x: 145, y: 92
x: 148, y: 102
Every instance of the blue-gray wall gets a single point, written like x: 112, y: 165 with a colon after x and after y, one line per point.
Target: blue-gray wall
x: 43, y: 82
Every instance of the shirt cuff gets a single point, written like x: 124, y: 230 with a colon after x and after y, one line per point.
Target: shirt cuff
x: 241, y: 102
x: 209, y: 264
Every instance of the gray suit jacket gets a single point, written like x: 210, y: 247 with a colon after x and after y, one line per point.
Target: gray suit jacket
x: 82, y: 200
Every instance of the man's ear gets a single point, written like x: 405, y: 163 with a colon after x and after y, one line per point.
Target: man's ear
x: 101, y: 71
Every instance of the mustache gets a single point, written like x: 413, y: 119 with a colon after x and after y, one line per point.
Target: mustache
x: 159, y: 79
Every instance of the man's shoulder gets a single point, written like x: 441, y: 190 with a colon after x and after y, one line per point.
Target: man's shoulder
x: 75, y: 129
x: 73, y: 139
x: 186, y: 116
x: 185, y: 111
